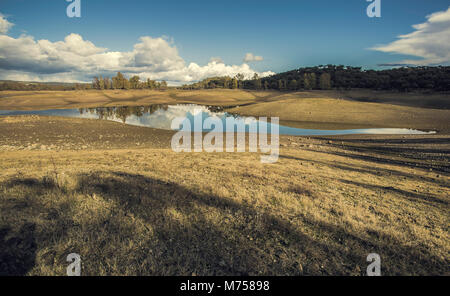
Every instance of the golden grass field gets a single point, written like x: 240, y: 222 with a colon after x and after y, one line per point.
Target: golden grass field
x: 129, y: 205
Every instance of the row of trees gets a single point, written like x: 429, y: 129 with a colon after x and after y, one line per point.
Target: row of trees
x: 338, y: 77
x: 320, y: 77
x: 121, y: 82
x: 117, y: 82
x: 342, y: 77
x: 218, y: 82
x: 16, y: 85
x: 309, y: 81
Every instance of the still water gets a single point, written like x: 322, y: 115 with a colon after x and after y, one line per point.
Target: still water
x: 161, y: 116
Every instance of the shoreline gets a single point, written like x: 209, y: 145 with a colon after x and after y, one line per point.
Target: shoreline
x: 309, y: 110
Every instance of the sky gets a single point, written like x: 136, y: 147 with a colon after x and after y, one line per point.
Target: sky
x: 186, y: 41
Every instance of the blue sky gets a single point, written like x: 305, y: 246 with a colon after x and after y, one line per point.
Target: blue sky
x: 287, y: 34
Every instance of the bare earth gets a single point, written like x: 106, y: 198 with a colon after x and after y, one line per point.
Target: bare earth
x: 122, y: 199
x: 317, y: 109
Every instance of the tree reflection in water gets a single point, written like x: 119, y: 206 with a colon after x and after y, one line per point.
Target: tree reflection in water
x: 123, y: 112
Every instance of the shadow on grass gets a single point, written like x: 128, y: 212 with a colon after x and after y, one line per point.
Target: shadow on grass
x: 413, y: 157
x: 17, y: 250
x: 185, y: 232
x: 384, y: 141
x: 371, y: 170
x: 407, y: 194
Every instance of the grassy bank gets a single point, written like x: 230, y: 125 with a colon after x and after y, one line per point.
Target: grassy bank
x: 329, y: 113
x: 130, y: 206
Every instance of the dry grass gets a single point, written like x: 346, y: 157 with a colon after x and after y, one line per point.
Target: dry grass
x: 320, y: 210
x: 416, y: 99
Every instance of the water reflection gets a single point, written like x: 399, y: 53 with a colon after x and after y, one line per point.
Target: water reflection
x: 155, y: 116
x: 161, y: 116
x: 123, y: 112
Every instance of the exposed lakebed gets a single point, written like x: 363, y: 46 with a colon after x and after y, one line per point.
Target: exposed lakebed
x: 161, y: 117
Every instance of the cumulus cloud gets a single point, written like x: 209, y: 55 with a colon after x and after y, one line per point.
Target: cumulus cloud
x: 4, y: 24
x: 75, y: 59
x: 217, y: 60
x: 250, y: 57
x: 156, y: 54
x: 430, y: 41
x: 45, y: 57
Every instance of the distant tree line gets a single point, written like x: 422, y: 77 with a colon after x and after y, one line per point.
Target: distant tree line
x: 219, y: 82
x: 121, y: 82
x: 338, y: 77
x: 16, y: 85
x: 310, y: 78
x: 117, y: 82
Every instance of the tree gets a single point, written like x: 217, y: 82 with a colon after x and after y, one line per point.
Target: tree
x: 118, y: 81
x: 257, y: 82
x: 234, y: 83
x: 107, y: 83
x: 163, y: 85
x: 325, y: 81
x: 126, y: 84
x: 240, y: 78
x: 227, y: 82
x: 306, y: 81
x: 280, y: 84
x: 150, y: 84
x: 309, y: 80
x: 134, y: 82
x: 292, y: 85
x: 96, y: 83
x: 101, y: 83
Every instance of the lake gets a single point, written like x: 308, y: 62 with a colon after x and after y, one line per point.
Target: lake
x: 161, y: 116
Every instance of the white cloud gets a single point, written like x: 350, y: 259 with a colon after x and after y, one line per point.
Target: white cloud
x: 4, y: 24
x: 194, y: 72
x: 45, y: 57
x: 156, y: 54
x: 218, y: 60
x: 430, y: 41
x: 249, y: 57
x: 76, y: 59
